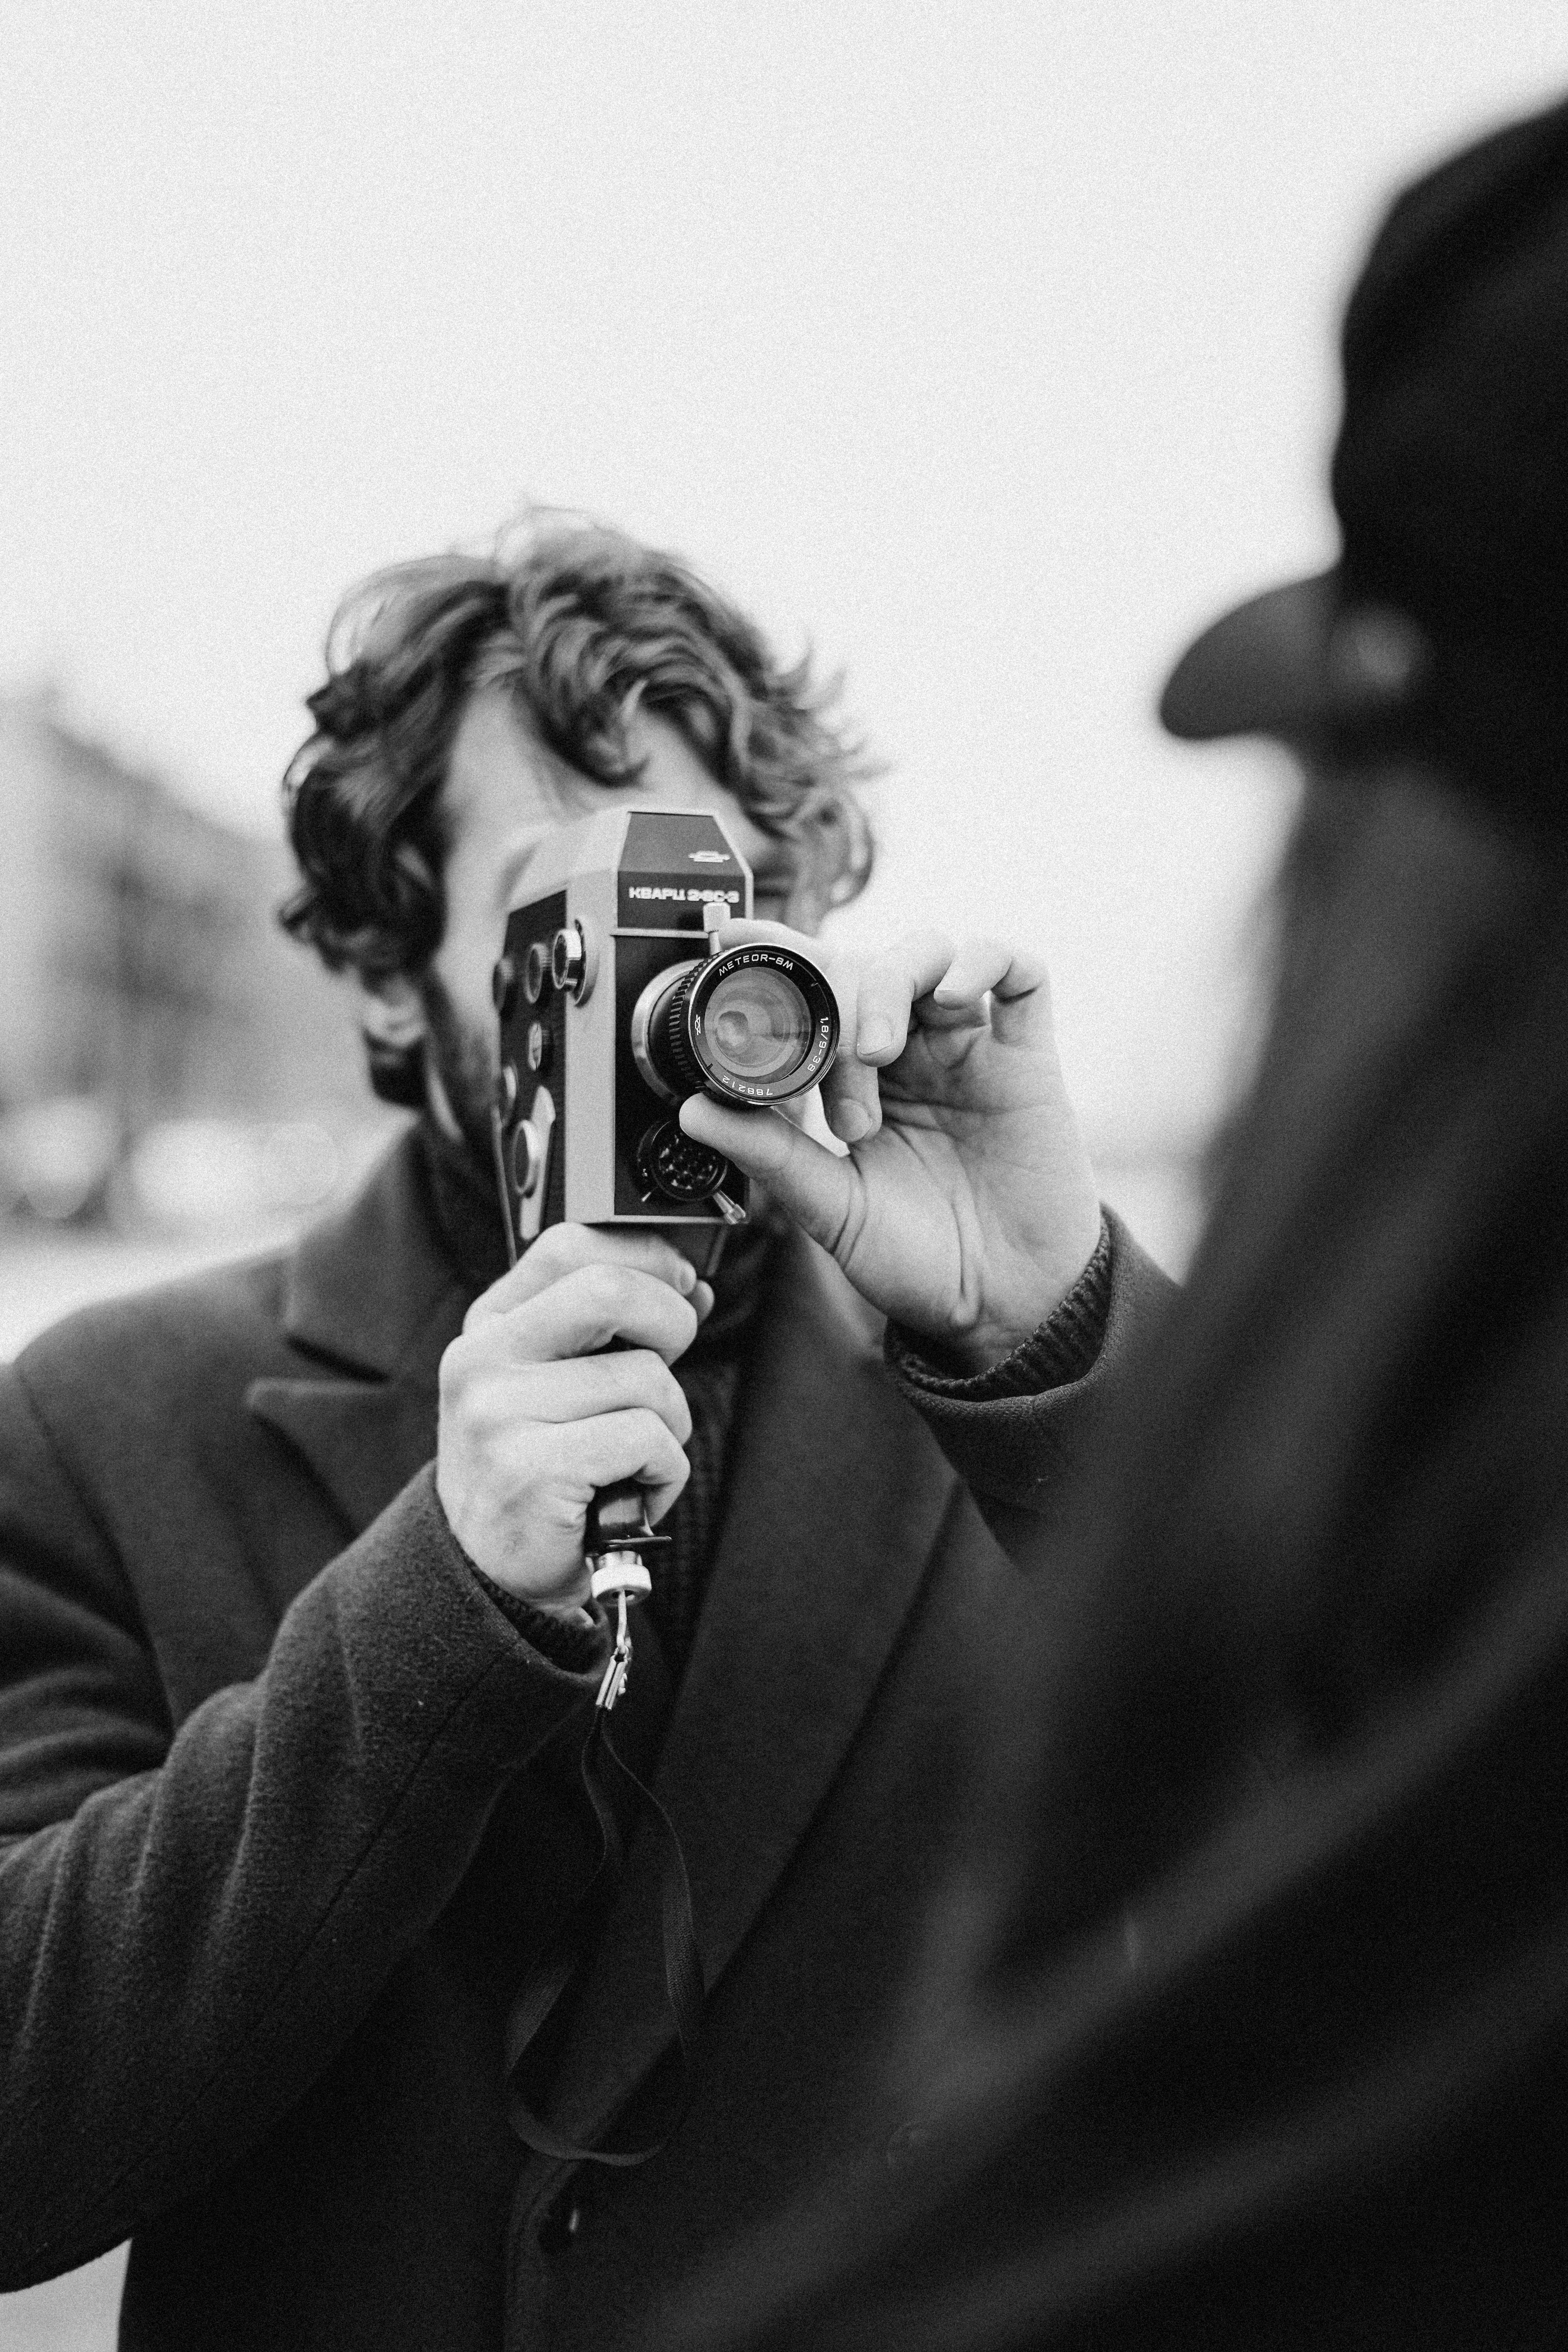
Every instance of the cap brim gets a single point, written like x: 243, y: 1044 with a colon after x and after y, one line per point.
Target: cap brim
x: 1263, y: 669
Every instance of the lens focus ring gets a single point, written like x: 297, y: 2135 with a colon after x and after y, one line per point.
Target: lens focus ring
x: 674, y: 1046
x: 752, y: 1026
x: 758, y: 1025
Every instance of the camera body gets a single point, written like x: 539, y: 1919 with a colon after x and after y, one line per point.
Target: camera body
x: 613, y: 1008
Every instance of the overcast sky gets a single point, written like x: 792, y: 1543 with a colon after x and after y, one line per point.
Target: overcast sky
x: 987, y: 347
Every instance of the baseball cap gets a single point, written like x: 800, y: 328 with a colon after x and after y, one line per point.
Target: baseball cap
x: 1444, y: 627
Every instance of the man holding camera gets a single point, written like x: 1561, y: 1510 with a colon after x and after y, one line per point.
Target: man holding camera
x: 298, y: 1659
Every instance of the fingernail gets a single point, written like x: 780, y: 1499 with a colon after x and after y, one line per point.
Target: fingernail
x: 687, y: 1277
x: 851, y: 1122
x: 875, y: 1037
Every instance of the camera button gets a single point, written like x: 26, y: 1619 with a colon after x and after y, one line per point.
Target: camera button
x: 527, y: 1158
x: 571, y: 963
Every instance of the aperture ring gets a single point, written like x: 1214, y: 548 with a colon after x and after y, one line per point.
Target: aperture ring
x: 680, y: 1061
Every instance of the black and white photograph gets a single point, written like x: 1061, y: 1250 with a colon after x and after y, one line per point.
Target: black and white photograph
x: 784, y: 1176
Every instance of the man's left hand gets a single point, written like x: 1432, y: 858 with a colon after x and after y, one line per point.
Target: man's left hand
x: 965, y: 1207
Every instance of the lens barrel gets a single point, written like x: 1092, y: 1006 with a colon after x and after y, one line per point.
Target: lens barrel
x: 752, y: 1026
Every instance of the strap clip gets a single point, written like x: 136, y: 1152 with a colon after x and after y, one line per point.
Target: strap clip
x: 623, y: 1574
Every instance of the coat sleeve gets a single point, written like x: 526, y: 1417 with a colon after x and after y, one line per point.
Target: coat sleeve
x: 1019, y: 1454
x: 191, y: 1924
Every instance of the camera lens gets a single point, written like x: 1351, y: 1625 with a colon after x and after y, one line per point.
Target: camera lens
x: 759, y: 1025
x: 750, y: 1025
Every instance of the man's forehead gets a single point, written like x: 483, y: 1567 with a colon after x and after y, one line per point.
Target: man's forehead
x: 503, y: 778
x: 500, y: 763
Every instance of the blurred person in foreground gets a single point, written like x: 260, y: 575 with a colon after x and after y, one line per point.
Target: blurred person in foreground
x: 1246, y: 2016
x: 297, y: 1668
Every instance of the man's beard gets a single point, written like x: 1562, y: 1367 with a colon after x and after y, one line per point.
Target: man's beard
x: 460, y: 1058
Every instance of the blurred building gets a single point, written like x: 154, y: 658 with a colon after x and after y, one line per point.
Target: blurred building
x: 144, y: 979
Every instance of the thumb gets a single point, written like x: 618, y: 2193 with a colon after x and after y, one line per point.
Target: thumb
x: 812, y: 1184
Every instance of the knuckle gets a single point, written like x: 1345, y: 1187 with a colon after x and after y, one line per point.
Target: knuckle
x: 463, y: 1367
x: 669, y: 1265
x: 647, y: 1373
x: 673, y: 1393
x: 662, y: 1444
x: 542, y: 1262
x: 924, y: 948
x: 681, y: 1329
x: 486, y: 1411
x: 603, y: 1286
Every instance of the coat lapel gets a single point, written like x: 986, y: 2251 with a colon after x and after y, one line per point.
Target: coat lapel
x: 364, y: 1441
x: 837, y: 1494
x: 836, y: 1501
x: 370, y: 1304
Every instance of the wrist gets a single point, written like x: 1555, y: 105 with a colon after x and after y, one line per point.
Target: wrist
x: 483, y: 1542
x: 966, y: 1355
x: 574, y: 1641
x: 567, y: 1601
x: 1031, y: 1306
x: 1061, y: 1348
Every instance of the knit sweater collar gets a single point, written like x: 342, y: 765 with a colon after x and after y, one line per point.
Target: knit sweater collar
x: 469, y: 1222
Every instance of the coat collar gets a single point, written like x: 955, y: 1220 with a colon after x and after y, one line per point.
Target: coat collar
x: 338, y: 1300
x: 370, y: 1303
x: 836, y: 1501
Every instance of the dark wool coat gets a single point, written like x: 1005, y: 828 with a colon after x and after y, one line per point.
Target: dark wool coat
x: 286, y: 1806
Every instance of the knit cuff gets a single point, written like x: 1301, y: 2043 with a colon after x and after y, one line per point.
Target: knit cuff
x: 1063, y: 1349
x: 573, y: 1645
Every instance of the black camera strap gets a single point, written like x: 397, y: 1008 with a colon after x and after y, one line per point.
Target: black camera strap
x: 548, y: 1980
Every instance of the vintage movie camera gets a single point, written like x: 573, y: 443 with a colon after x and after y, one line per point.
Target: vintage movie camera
x: 614, y: 1005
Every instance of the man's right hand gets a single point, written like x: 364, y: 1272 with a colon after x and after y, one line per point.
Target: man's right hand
x: 535, y: 1418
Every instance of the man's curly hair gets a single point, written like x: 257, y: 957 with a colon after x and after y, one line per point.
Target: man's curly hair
x: 585, y: 628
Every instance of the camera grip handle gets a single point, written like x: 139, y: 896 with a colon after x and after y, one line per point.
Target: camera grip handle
x: 618, y: 1520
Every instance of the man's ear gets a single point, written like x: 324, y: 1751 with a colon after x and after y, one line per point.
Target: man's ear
x: 391, y: 1011
x: 392, y: 1023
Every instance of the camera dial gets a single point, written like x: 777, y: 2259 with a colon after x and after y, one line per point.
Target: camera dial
x: 573, y: 963
x: 750, y: 1025
x: 672, y: 1167
x: 536, y: 971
